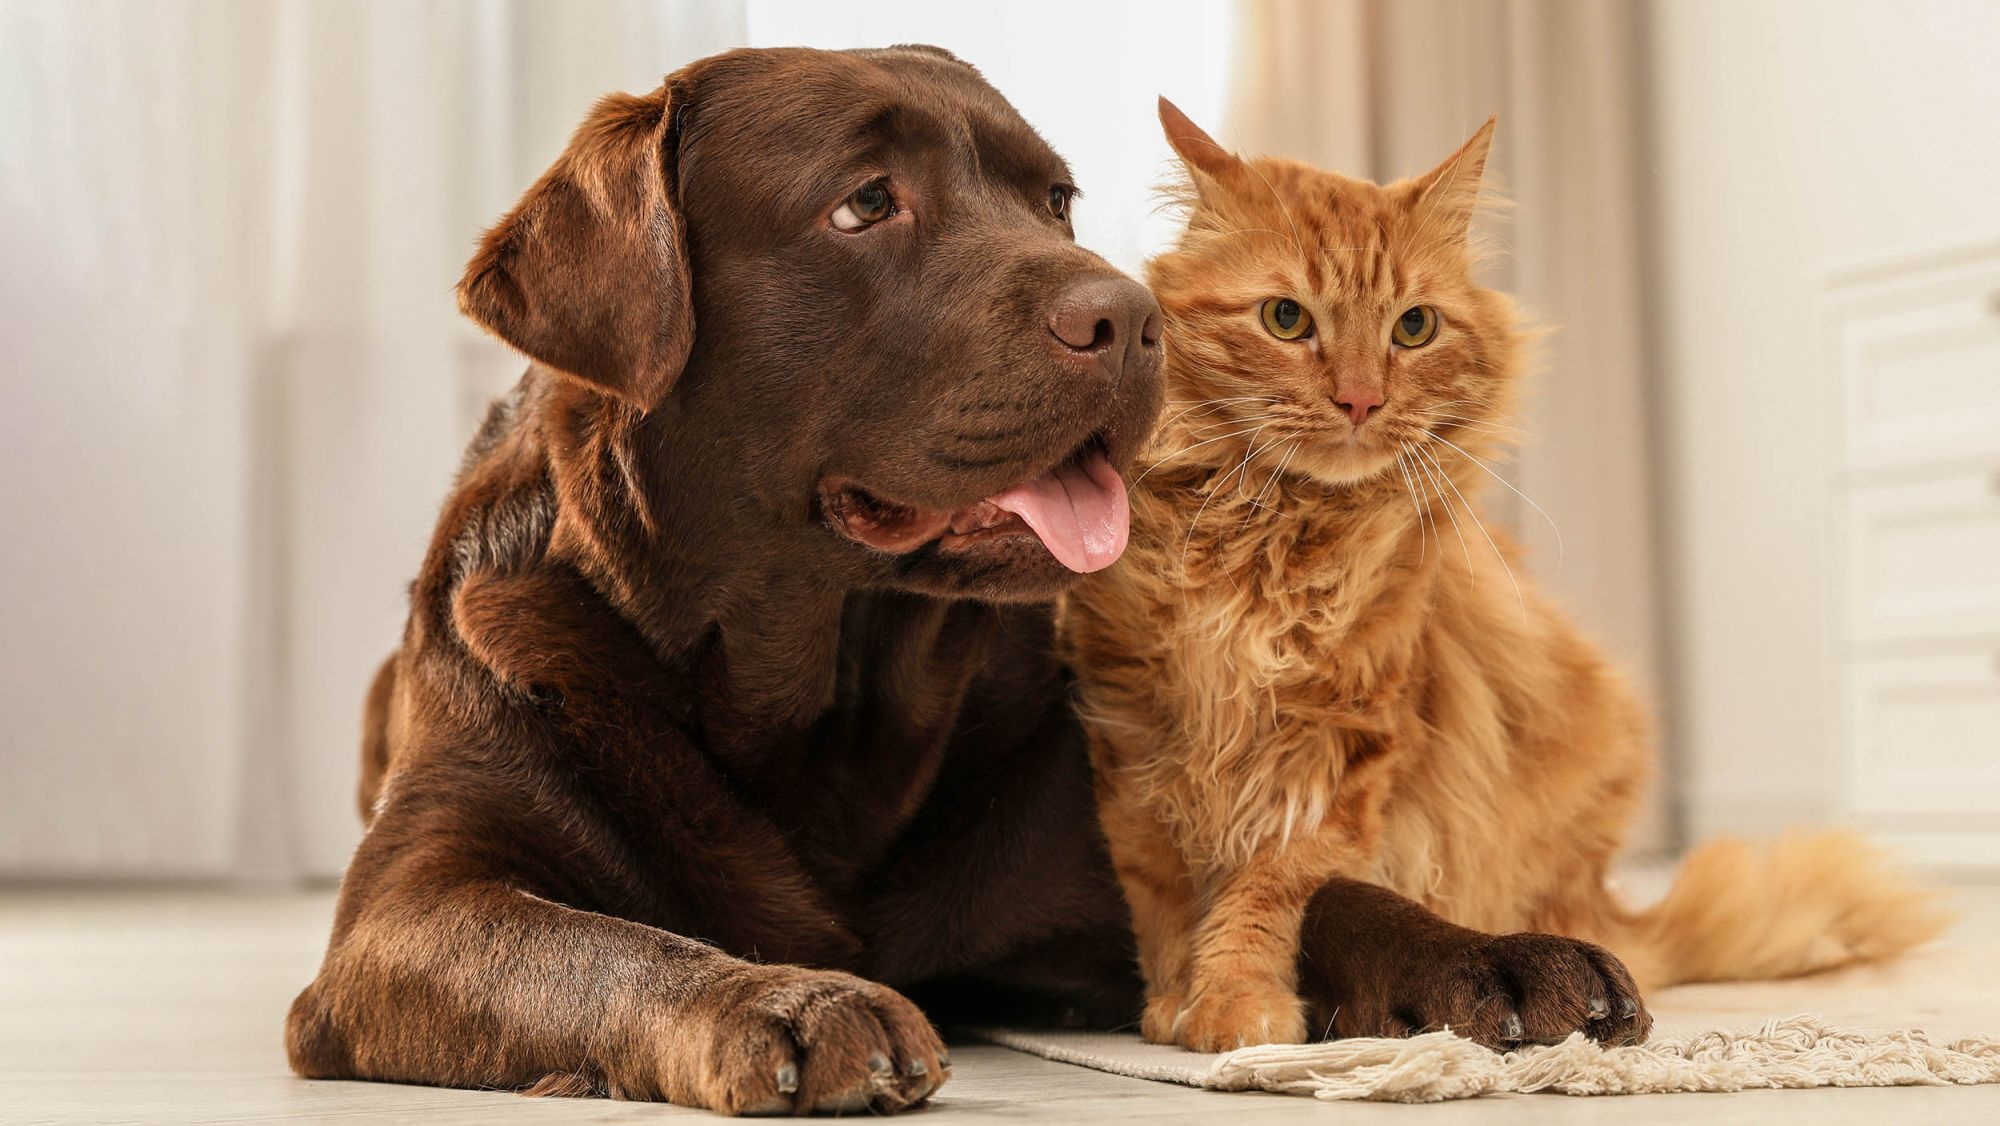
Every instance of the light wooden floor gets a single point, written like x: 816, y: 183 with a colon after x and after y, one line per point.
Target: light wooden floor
x: 165, y: 1006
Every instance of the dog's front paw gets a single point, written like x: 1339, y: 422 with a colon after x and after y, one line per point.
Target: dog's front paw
x: 1224, y: 1017
x: 784, y: 1040
x: 1512, y: 989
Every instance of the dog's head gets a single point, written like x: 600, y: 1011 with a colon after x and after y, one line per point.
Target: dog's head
x: 851, y: 277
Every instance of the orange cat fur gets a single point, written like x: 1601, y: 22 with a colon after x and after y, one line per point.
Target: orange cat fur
x: 1315, y: 659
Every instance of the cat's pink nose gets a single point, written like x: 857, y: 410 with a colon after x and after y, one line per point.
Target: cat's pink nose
x: 1359, y: 403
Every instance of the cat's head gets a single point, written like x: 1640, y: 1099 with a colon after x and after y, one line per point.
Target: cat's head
x: 1340, y: 316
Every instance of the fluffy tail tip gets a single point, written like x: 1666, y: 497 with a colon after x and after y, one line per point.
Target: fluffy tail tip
x: 1807, y: 902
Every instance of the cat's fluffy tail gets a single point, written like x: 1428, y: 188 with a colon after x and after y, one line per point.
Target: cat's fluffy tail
x: 1805, y: 903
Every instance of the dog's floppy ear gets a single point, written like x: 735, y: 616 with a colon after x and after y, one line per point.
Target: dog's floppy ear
x: 589, y: 273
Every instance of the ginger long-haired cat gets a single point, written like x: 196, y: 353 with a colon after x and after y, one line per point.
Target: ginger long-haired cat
x: 1315, y: 661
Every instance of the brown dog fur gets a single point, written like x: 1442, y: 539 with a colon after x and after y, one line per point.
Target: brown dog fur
x: 1316, y: 663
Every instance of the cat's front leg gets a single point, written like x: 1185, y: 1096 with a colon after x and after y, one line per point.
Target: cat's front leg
x: 1243, y: 977
x: 1376, y: 964
x: 1160, y: 893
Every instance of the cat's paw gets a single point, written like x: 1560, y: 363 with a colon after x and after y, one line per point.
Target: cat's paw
x: 1223, y: 1018
x: 1513, y: 989
x: 1157, y: 1024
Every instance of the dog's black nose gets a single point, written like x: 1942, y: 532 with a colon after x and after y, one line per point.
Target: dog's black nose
x: 1110, y: 323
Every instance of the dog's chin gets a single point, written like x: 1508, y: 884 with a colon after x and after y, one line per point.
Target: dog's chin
x: 1027, y: 542
x: 1011, y: 566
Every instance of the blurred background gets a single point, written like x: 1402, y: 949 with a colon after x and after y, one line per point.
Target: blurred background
x: 233, y: 384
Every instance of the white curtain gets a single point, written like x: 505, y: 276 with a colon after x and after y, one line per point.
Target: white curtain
x: 233, y: 385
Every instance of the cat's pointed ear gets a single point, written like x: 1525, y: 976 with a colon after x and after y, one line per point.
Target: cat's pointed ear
x: 589, y: 273
x: 1448, y: 194
x: 1201, y: 152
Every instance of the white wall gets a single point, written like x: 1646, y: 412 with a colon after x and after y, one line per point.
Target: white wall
x: 1792, y: 137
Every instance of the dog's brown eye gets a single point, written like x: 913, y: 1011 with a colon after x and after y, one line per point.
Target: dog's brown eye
x: 870, y: 203
x: 1059, y: 201
x: 1415, y: 327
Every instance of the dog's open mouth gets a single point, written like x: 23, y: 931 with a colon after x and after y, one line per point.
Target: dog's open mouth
x: 1078, y: 510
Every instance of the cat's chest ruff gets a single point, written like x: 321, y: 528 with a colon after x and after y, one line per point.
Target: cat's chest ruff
x: 1274, y: 720
x: 1287, y: 670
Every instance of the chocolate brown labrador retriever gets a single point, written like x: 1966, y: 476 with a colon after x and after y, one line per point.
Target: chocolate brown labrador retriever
x: 728, y: 657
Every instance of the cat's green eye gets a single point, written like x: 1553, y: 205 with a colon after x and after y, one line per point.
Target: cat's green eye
x: 1286, y: 319
x: 1415, y: 327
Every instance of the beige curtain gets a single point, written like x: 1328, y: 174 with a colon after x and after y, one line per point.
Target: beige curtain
x: 1387, y: 88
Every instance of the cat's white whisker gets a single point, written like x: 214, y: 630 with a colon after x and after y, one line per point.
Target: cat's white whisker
x: 1446, y: 501
x: 1249, y: 451
x: 1213, y: 405
x: 1498, y: 430
x: 1467, y: 419
x: 1420, y: 497
x: 1275, y: 473
x: 1187, y: 541
x: 1216, y: 486
x: 1473, y: 515
x: 1415, y: 508
x: 1430, y: 510
x: 1510, y: 485
x: 1190, y: 449
x: 1255, y: 418
x: 1250, y: 454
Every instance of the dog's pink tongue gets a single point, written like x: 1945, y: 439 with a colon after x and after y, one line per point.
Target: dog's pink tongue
x: 1078, y: 508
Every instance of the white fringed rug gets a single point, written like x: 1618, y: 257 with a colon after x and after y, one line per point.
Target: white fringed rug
x: 1861, y: 1035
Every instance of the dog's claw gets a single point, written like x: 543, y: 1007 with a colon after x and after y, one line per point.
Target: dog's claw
x: 788, y: 1079
x: 879, y: 1064
x: 916, y: 1069
x: 1599, y: 1008
x: 1627, y: 1008
x: 1511, y: 1029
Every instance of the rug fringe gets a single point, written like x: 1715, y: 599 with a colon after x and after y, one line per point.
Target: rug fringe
x: 1803, y: 1051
